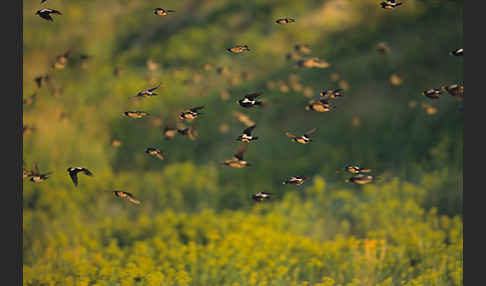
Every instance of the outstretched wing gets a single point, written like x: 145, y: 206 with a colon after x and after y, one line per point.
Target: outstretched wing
x: 59, y: 13
x: 131, y: 198
x: 309, y: 133
x: 290, y: 135
x: 195, y: 109
x: 252, y: 96
x: 87, y: 172
x: 154, y: 88
x: 248, y: 130
x: 74, y: 177
x: 239, y: 153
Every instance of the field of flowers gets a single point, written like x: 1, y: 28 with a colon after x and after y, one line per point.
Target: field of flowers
x: 197, y: 224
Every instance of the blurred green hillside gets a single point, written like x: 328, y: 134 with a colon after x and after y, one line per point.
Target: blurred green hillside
x: 411, y: 218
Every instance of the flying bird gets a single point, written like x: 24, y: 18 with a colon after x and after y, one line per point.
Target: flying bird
x: 155, y: 152
x: 238, y: 49
x: 361, y: 179
x: 304, y: 139
x: 457, y: 53
x: 355, y: 169
x: 73, y: 173
x: 303, y: 49
x: 313, y: 63
x: 147, y: 92
x: 319, y: 105
x: 332, y: 93
x: 190, y: 132
x: 126, y: 195
x: 250, y: 101
x: 61, y: 61
x: 163, y: 12
x: 260, y: 196
x: 246, y: 136
x: 390, y: 4
x: 432, y: 93
x: 135, y: 114
x: 237, y: 161
x: 285, y: 20
x: 169, y: 132
x: 455, y: 90
x: 295, y: 180
x: 36, y: 176
x: 46, y: 13
x: 191, y: 113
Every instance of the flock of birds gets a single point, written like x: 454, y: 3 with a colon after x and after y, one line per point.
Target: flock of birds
x: 323, y: 104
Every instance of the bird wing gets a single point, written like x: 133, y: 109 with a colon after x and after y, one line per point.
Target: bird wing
x: 248, y: 130
x: 290, y: 135
x: 130, y: 198
x: 154, y: 88
x: 195, y: 109
x: 239, y: 153
x: 74, y: 177
x: 309, y: 133
x: 160, y: 156
x: 252, y: 96
x: 87, y: 172
x: 59, y: 13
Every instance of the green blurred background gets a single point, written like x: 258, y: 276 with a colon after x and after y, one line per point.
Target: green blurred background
x: 415, y: 149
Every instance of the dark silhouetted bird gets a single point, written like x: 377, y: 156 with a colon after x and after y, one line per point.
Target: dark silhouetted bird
x: 73, y: 173
x: 304, y: 139
x: 126, y: 195
x: 237, y: 161
x: 155, y: 152
x: 250, y: 101
x: 46, y: 13
x: 260, y: 196
x: 390, y: 4
x: 458, y: 52
x: 285, y: 20
x: 191, y: 113
x: 135, y: 114
x: 238, y: 49
x: 246, y: 136
x: 295, y: 180
x: 163, y: 12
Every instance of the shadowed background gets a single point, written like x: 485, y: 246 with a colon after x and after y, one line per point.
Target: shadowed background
x: 411, y: 218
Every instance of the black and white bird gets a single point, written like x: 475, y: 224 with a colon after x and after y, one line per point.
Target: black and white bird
x: 246, y: 136
x: 457, y: 53
x: 163, y: 12
x: 250, y: 101
x: 46, y: 13
x: 304, y: 139
x: 73, y: 173
x: 285, y: 20
x: 433, y: 93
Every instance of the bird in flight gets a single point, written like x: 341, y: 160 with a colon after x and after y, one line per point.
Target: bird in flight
x: 260, y: 196
x: 457, y: 53
x: 238, y: 49
x: 246, y: 136
x: 432, y: 93
x: 147, y: 92
x: 163, y: 12
x: 390, y: 4
x: 46, y: 13
x: 361, y: 179
x: 73, y: 173
x: 126, y: 195
x: 304, y: 139
x: 237, y: 161
x: 285, y: 20
x: 155, y: 152
x: 250, y: 101
x: 295, y: 180
x: 455, y: 90
x: 36, y: 176
x: 135, y: 114
x: 319, y: 105
x: 191, y: 113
